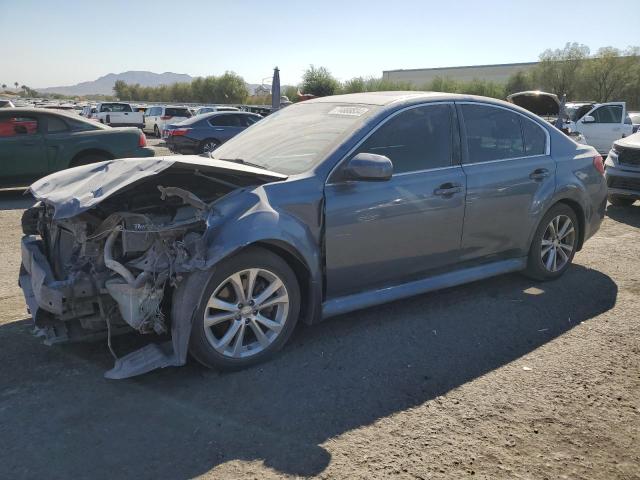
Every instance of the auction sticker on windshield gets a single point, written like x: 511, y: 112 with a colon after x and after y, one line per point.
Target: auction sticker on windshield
x: 349, y: 111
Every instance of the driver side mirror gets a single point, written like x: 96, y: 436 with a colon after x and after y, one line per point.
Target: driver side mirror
x: 588, y: 119
x: 368, y: 167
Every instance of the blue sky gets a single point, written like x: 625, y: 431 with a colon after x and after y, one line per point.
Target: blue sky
x: 49, y: 43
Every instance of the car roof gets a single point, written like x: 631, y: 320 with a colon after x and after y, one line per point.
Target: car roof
x: 205, y: 116
x: 52, y: 111
x: 406, y: 98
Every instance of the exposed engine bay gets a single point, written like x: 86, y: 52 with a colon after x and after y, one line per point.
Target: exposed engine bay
x: 113, y: 267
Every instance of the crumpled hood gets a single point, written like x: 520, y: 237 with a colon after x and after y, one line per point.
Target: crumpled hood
x: 78, y: 189
x: 632, y: 141
x: 542, y: 104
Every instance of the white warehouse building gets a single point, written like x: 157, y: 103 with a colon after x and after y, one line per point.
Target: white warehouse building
x: 418, y: 77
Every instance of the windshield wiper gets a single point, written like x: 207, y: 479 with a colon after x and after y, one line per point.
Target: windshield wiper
x: 242, y: 162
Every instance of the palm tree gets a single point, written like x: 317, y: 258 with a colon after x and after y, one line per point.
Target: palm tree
x: 16, y: 84
x: 24, y: 87
x: 4, y: 85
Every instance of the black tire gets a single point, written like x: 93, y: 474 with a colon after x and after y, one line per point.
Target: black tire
x: 621, y: 201
x: 536, y: 268
x: 156, y: 131
x: 200, y: 345
x: 209, y: 145
x: 89, y: 158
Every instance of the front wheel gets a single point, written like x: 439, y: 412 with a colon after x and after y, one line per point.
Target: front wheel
x: 554, y: 244
x: 248, y: 310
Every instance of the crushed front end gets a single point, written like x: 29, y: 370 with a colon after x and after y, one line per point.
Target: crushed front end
x: 106, y: 246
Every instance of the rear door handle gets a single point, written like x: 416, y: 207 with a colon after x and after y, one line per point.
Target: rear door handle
x: 539, y: 174
x: 447, y: 189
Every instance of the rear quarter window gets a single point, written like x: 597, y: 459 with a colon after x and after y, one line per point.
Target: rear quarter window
x: 535, y: 138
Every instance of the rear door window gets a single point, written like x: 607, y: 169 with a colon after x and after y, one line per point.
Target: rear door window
x: 56, y: 125
x: 225, y: 121
x: 416, y: 139
x: 178, y: 112
x: 14, y: 126
x: 492, y: 133
x: 248, y: 120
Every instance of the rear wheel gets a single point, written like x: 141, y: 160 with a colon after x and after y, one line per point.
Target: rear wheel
x: 209, y: 145
x: 621, y: 201
x: 554, y: 244
x: 248, y: 310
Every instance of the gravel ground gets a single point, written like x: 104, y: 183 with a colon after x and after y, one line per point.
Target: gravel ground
x: 505, y: 378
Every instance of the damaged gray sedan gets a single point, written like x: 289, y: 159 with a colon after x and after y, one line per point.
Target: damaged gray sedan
x: 323, y: 208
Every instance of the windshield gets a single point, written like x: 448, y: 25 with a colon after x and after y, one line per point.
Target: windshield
x: 296, y: 138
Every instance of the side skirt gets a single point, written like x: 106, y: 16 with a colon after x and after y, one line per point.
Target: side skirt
x: 356, y: 301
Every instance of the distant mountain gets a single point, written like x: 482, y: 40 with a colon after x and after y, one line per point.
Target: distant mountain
x: 104, y: 85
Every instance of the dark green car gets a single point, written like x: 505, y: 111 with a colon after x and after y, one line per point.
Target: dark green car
x: 35, y: 142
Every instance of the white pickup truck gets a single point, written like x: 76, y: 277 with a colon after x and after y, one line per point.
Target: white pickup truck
x: 601, y: 124
x: 117, y: 114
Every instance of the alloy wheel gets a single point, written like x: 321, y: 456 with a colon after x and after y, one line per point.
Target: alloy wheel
x: 209, y: 147
x: 558, y: 242
x: 246, y: 313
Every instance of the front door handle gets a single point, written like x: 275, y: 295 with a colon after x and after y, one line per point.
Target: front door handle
x: 219, y: 129
x: 539, y: 174
x: 447, y: 189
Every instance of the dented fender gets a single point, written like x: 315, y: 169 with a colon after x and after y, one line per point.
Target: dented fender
x: 246, y: 218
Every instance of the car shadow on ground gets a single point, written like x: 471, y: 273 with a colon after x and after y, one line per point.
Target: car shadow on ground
x: 629, y: 215
x: 61, y: 419
x: 15, y: 199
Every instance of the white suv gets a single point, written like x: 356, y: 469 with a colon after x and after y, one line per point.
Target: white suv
x: 156, y: 118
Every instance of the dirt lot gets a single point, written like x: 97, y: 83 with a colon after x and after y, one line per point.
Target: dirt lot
x: 505, y: 378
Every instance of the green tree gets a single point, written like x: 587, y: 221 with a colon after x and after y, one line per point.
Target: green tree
x: 120, y: 88
x: 559, y: 70
x: 291, y: 93
x: 611, y: 73
x: 319, y: 82
x: 518, y: 82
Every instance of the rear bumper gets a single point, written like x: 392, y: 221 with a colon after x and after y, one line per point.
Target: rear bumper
x: 183, y: 145
x: 137, y: 125
x: 623, y: 182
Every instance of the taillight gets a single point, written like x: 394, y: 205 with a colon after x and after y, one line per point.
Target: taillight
x: 599, y: 164
x: 166, y: 117
x: 142, y: 140
x: 178, y: 132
